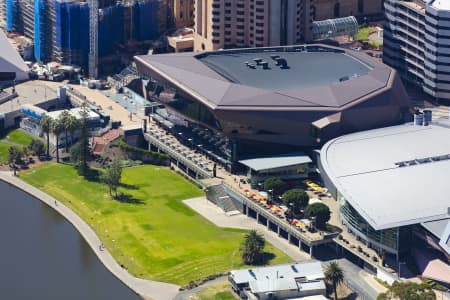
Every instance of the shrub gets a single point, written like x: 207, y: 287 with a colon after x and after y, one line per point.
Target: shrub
x: 135, y: 153
x: 320, y: 211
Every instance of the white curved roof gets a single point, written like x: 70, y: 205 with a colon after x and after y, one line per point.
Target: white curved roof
x: 393, y: 176
x: 10, y: 60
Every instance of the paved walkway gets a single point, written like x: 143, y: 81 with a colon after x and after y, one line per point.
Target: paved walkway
x: 217, y: 216
x: 145, y: 288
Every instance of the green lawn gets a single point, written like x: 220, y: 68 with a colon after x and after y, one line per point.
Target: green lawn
x: 218, y: 291
x: 20, y: 137
x: 154, y: 235
x: 4, y: 150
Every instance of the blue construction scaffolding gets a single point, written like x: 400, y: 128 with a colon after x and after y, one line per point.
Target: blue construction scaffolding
x: 11, y: 15
x: 110, y: 29
x: 72, y: 31
x: 39, y: 30
x: 145, y: 20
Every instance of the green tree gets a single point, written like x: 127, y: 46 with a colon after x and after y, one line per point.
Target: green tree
x: 252, y: 248
x: 112, y: 177
x: 57, y: 128
x: 320, y: 211
x: 64, y: 119
x: 299, y: 199
x: 276, y: 185
x: 73, y: 124
x: 408, y: 291
x: 81, y: 151
x: 14, y: 157
x: 36, y: 147
x: 334, y: 275
x: 46, y: 125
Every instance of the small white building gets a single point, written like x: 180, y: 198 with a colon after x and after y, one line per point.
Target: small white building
x: 287, y: 281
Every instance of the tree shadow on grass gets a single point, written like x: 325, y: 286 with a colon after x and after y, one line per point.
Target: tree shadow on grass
x: 92, y: 175
x: 266, y: 258
x: 129, y: 186
x: 127, y: 198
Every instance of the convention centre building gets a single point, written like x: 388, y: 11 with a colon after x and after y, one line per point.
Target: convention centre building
x: 392, y: 188
x: 276, y: 99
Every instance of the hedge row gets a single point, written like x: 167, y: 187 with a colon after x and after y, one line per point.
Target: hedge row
x: 143, y: 155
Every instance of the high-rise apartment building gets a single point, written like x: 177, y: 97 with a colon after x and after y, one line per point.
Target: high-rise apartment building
x: 183, y: 13
x: 256, y: 23
x: 61, y: 29
x: 250, y: 23
x: 361, y: 9
x: 417, y: 43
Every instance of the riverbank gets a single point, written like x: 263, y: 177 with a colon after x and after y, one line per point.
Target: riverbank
x: 147, y: 289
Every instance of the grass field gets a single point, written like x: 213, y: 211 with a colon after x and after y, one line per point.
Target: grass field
x: 218, y: 291
x: 20, y: 137
x: 4, y: 150
x: 154, y: 235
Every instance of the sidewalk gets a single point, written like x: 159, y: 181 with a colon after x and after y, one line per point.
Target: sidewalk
x: 145, y: 288
x: 217, y: 216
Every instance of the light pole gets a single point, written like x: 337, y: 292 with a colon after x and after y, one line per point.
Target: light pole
x: 192, y: 142
x: 313, y: 224
x: 271, y: 194
x: 400, y: 263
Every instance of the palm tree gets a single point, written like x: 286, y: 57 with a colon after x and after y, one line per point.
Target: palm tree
x: 73, y: 124
x: 46, y: 125
x: 57, y: 128
x: 334, y: 275
x: 64, y: 119
x: 252, y: 247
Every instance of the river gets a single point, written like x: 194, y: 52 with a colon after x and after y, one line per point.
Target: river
x: 42, y: 256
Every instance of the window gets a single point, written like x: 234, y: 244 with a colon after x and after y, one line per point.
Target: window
x: 361, y: 6
x: 216, y: 41
x: 337, y: 8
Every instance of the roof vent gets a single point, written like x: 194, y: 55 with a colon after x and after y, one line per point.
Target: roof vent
x: 265, y: 65
x: 251, y: 66
x: 418, y: 118
x: 274, y: 56
x: 258, y: 60
x: 282, y: 63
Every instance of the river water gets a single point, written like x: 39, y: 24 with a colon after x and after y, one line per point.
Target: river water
x: 42, y: 256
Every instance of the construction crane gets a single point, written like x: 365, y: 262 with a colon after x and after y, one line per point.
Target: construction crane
x: 93, y: 38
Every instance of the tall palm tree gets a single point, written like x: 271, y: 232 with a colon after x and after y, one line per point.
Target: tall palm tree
x: 46, y: 125
x: 73, y: 124
x: 334, y: 275
x: 57, y: 128
x: 252, y: 247
x: 64, y: 119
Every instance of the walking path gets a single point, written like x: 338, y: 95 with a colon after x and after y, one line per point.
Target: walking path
x: 145, y: 288
x: 217, y: 216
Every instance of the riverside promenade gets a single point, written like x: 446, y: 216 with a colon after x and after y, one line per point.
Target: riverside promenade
x: 147, y: 289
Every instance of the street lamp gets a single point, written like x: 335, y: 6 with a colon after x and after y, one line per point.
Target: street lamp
x: 271, y: 194
x: 400, y: 268
x: 192, y: 142
x: 313, y: 224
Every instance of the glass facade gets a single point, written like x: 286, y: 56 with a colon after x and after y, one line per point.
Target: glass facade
x: 387, y: 239
x: 182, y: 103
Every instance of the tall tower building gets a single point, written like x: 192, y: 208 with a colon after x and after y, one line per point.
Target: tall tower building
x: 417, y: 43
x: 183, y: 13
x: 250, y: 23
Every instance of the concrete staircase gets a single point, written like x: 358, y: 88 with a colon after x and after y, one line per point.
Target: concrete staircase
x: 218, y: 196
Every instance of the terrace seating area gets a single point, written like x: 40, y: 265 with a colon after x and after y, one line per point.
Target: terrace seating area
x: 169, y: 143
x: 302, y: 226
x: 197, y: 139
